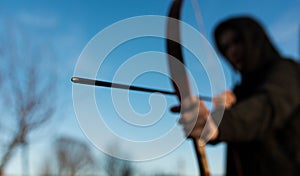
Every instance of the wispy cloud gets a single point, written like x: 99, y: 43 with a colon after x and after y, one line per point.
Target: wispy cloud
x: 285, y: 32
x: 286, y: 27
x: 37, y: 20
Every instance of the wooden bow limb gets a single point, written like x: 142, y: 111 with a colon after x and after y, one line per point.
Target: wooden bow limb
x: 179, y: 75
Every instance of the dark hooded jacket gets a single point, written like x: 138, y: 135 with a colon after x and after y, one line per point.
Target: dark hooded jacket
x: 262, y: 129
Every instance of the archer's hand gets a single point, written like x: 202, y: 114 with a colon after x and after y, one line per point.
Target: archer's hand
x: 224, y: 100
x: 196, y: 120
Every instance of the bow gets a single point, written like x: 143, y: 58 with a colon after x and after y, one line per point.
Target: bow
x: 179, y: 75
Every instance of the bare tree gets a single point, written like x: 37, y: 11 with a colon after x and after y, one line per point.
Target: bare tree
x: 72, y: 157
x: 117, y: 167
x: 46, y: 169
x: 27, y: 94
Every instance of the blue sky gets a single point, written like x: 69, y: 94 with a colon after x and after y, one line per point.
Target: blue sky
x: 67, y: 26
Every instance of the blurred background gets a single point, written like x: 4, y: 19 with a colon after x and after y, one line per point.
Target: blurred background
x: 40, y: 44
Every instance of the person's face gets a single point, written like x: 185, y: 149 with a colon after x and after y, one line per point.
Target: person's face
x: 232, y: 48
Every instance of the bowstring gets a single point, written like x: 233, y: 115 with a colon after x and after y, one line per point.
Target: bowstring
x: 198, y: 16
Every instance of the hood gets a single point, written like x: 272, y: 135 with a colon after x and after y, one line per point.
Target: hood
x: 259, y: 51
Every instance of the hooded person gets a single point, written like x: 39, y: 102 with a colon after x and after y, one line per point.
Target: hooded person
x: 262, y: 125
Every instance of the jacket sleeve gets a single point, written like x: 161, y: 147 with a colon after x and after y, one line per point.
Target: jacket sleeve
x: 267, y: 110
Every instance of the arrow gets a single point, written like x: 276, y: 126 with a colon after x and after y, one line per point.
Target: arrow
x: 92, y: 82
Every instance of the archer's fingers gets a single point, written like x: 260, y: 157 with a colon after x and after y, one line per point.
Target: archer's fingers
x: 224, y: 100
x: 194, y: 134
x: 188, y: 118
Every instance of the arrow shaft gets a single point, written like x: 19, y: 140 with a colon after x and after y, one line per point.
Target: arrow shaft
x: 92, y: 82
